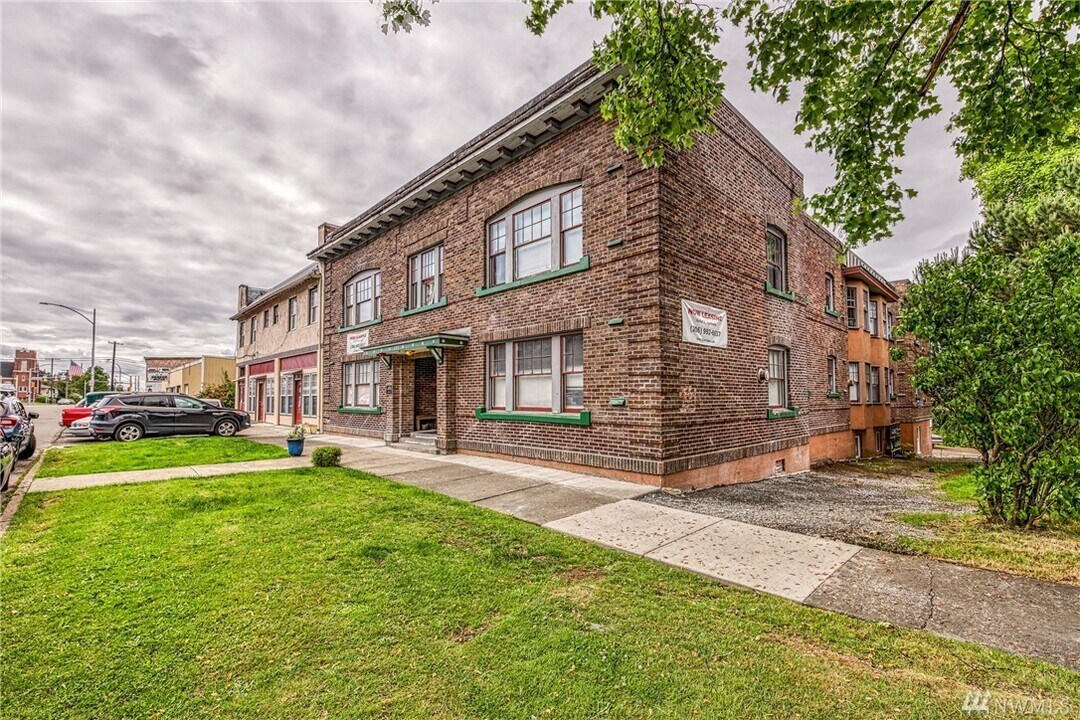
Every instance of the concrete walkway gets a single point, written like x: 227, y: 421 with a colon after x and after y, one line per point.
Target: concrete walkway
x: 1011, y: 613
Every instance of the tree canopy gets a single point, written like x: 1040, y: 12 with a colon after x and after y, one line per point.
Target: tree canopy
x: 867, y: 71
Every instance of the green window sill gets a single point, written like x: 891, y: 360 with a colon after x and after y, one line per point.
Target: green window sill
x: 832, y: 395
x: 834, y: 313
x: 583, y: 418
x: 360, y: 410
x: 785, y: 294
x: 358, y: 326
x: 772, y: 414
x: 424, y: 308
x: 579, y: 266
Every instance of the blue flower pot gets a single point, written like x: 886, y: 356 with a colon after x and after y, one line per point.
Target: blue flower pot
x: 296, y: 447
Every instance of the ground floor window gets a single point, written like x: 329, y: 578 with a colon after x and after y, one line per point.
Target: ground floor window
x: 778, y: 383
x: 360, y: 381
x: 309, y: 391
x: 252, y: 397
x: 287, y: 395
x: 548, y: 374
x: 240, y: 395
x: 873, y: 384
x: 853, y: 381
x: 269, y: 396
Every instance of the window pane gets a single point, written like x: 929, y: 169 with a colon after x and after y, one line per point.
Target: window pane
x: 572, y: 245
x: 498, y: 392
x: 573, y: 390
x: 534, y: 392
x: 532, y: 259
x: 572, y: 361
x: 533, y: 357
x: 571, y: 208
x: 532, y: 224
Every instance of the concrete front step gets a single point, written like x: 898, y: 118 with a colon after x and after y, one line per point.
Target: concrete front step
x: 424, y: 443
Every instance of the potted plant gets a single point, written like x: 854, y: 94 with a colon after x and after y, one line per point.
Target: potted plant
x: 296, y: 441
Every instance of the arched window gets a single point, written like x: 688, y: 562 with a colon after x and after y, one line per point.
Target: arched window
x: 776, y: 255
x: 778, y: 376
x: 363, y: 298
x: 539, y: 233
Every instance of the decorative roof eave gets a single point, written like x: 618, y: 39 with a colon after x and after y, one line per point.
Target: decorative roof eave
x: 567, y: 103
x: 276, y: 292
x: 871, y: 278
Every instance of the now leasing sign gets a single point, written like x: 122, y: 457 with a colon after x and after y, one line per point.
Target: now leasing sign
x: 356, y: 342
x: 704, y: 325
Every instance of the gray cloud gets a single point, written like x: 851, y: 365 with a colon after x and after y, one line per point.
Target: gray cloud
x: 155, y: 156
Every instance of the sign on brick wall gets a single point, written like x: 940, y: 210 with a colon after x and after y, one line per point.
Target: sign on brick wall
x: 704, y: 325
x: 356, y: 342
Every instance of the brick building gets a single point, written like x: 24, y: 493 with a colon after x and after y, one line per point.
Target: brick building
x: 538, y: 294
x: 24, y: 374
x: 277, y: 350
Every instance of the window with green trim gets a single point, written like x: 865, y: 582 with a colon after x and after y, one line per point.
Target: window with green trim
x: 362, y: 298
x: 543, y: 374
x: 776, y: 255
x: 360, y: 384
x: 426, y: 277
x: 539, y: 233
x: 778, y: 377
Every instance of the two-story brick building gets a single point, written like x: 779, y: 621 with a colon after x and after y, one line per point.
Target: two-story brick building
x: 538, y: 294
x: 277, y: 350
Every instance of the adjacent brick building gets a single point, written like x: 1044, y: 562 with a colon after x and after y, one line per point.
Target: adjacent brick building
x: 277, y: 350
x: 538, y: 294
x: 24, y: 374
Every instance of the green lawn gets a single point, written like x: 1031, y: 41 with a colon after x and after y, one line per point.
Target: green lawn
x: 328, y: 593
x: 153, y: 453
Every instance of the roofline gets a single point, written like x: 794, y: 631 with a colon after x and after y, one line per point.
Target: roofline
x: 508, y: 139
x: 202, y: 359
x: 275, y: 293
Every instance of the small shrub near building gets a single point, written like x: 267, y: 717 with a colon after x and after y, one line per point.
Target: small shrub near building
x: 328, y: 456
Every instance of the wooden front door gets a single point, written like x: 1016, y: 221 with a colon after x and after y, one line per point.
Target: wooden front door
x: 261, y: 400
x: 298, y: 400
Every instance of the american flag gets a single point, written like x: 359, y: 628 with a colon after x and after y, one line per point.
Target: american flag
x: 75, y: 370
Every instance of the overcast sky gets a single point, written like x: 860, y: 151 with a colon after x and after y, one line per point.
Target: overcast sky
x: 155, y: 156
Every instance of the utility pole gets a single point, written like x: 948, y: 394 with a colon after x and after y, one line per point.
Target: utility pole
x: 52, y: 380
x: 112, y: 370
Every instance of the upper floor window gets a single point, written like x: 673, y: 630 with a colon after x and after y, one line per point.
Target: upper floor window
x: 426, y: 277
x: 853, y: 382
x: 276, y: 309
x: 873, y: 384
x: 888, y: 324
x: 540, y: 233
x: 890, y: 384
x: 313, y: 305
x: 776, y: 255
x: 832, y: 373
x: 266, y: 318
x: 873, y: 317
x: 830, y: 289
x: 866, y: 310
x: 294, y: 312
x: 851, y: 300
x: 778, y: 377
x: 240, y: 343
x: 254, y: 326
x: 363, y: 298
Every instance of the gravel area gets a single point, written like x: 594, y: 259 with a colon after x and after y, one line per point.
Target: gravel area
x: 843, y: 501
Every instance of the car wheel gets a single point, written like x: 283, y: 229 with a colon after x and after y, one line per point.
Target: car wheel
x: 28, y: 451
x: 225, y: 428
x: 128, y: 432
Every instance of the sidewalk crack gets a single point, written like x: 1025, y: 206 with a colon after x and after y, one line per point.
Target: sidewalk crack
x: 932, y: 597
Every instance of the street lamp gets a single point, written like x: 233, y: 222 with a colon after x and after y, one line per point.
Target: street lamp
x: 93, y: 333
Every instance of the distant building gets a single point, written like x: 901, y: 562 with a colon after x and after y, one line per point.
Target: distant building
x: 158, y: 369
x: 23, y: 373
x: 277, y: 350
x: 193, y: 376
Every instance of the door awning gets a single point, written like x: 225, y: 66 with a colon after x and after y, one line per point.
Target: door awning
x: 433, y: 344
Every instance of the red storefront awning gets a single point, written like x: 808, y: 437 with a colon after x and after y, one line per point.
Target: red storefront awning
x: 299, y: 362
x: 262, y: 368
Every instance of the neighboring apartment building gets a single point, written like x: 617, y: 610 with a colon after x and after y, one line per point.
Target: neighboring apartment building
x: 277, y: 350
x: 911, y: 412
x: 193, y: 376
x: 538, y: 294
x: 158, y: 369
x: 23, y: 372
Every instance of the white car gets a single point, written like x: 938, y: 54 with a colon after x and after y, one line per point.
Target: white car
x: 65, y: 401
x: 80, y: 428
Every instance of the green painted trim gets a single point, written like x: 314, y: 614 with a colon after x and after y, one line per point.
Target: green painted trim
x: 360, y: 410
x: 787, y: 295
x: 368, y: 323
x: 425, y: 308
x: 580, y: 265
x: 834, y: 313
x: 615, y: 321
x: 428, y: 341
x: 832, y: 395
x: 615, y: 243
x: 583, y: 418
x: 617, y: 402
x: 771, y: 414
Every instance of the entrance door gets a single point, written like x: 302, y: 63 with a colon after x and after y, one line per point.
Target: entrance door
x: 425, y: 403
x: 260, y: 401
x: 298, y: 399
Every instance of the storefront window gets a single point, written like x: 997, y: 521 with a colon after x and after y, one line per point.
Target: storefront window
x: 360, y: 382
x: 310, y: 393
x: 287, y: 395
x: 269, y: 396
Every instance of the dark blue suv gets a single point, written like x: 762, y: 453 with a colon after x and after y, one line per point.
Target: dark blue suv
x: 17, y: 426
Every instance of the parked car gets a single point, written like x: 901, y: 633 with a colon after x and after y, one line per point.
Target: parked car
x: 80, y: 428
x: 8, y: 454
x: 129, y: 417
x: 65, y: 401
x: 17, y: 426
x: 82, y: 409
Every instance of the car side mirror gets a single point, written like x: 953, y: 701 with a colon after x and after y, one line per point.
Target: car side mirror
x: 33, y: 415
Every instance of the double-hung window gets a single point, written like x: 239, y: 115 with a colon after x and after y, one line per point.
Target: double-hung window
x: 252, y: 396
x: 254, y: 328
x: 873, y: 384
x: 542, y: 232
x: 269, y: 397
x: 537, y: 375
x: 832, y: 373
x: 873, y: 317
x: 240, y: 342
x: 778, y: 377
x: 294, y: 312
x: 888, y: 324
x: 309, y: 393
x: 830, y: 289
x: 266, y: 318
x: 363, y: 298
x: 890, y: 384
x: 313, y: 305
x: 776, y: 255
x: 360, y: 382
x: 853, y: 382
x: 277, y: 313
x: 287, y: 395
x: 426, y: 277
x: 851, y: 300
x: 866, y: 310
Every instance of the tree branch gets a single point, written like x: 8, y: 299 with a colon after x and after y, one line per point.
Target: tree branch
x: 946, y: 45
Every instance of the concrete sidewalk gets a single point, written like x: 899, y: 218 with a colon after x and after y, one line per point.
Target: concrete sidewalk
x: 74, y: 482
